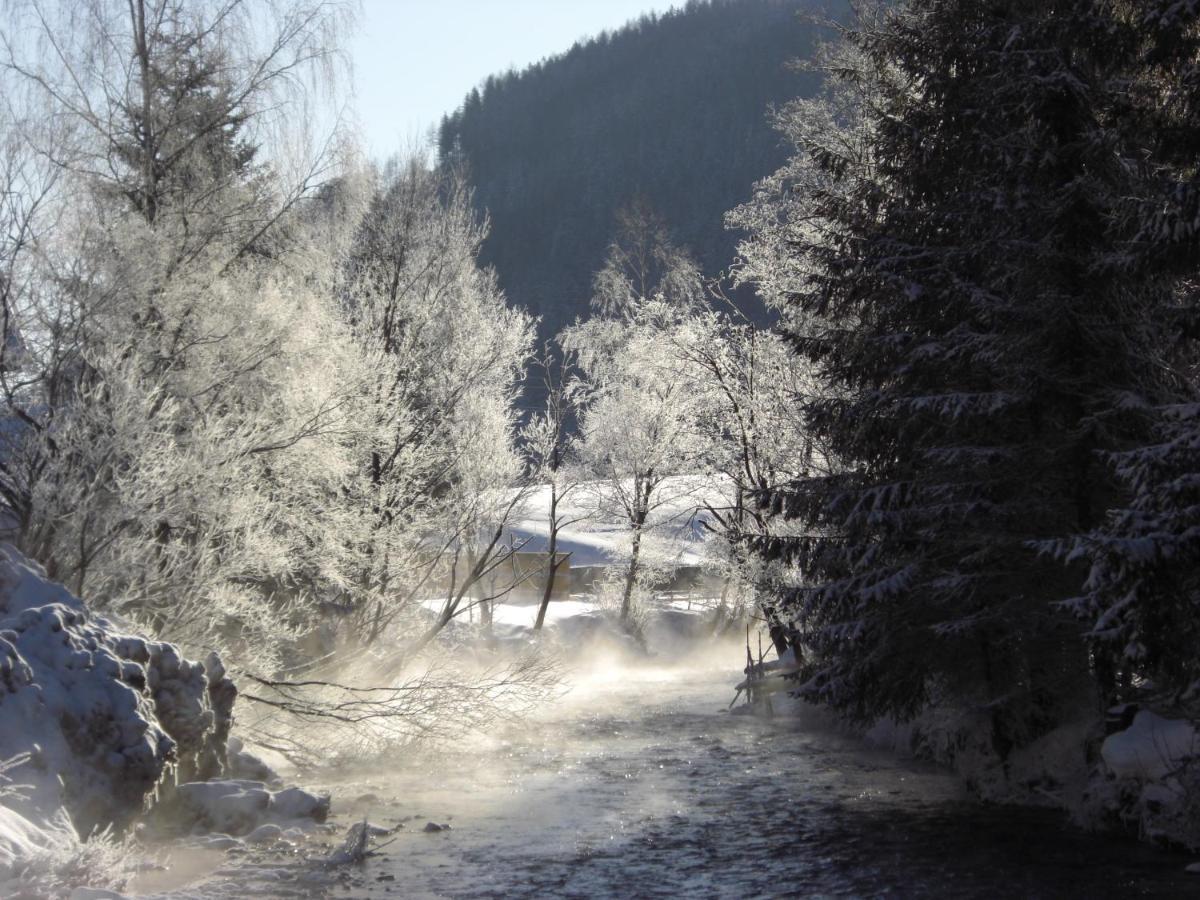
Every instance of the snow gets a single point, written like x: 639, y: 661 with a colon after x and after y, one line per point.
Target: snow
x: 523, y: 616
x: 246, y: 766
x: 1151, y: 748
x: 101, y: 720
x: 674, y: 533
x: 240, y: 808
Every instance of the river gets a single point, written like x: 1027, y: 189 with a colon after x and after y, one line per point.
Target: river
x: 639, y: 783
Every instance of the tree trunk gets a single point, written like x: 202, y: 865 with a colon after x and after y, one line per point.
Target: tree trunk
x: 631, y: 575
x: 721, y: 618
x: 552, y: 565
x: 147, y: 137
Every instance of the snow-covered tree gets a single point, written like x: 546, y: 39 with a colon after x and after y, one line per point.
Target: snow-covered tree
x: 176, y: 414
x: 445, y: 352
x: 750, y: 386
x: 638, y: 406
x: 943, y: 242
x: 638, y: 423
x: 551, y: 454
x: 1141, y: 600
x: 643, y: 263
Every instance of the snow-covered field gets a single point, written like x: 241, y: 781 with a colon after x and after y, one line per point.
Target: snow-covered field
x: 675, y: 533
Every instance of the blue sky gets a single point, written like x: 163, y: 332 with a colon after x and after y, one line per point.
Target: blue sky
x: 415, y: 59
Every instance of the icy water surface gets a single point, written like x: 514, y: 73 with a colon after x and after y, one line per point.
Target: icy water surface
x: 641, y: 785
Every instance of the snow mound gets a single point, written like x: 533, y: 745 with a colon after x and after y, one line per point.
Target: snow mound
x: 1151, y: 748
x: 105, y: 719
x: 244, y: 808
x: 245, y: 766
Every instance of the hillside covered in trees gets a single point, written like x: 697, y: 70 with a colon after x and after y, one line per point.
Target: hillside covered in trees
x: 673, y: 109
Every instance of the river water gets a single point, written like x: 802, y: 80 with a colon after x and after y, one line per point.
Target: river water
x: 638, y: 783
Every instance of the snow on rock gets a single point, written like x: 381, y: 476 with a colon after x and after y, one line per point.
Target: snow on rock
x: 242, y: 807
x: 266, y: 833
x: 246, y: 766
x: 106, y: 718
x: 1151, y: 748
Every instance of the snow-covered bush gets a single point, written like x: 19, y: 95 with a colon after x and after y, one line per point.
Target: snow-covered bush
x: 1148, y: 780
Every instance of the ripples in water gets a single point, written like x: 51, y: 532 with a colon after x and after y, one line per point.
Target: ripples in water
x: 645, y: 787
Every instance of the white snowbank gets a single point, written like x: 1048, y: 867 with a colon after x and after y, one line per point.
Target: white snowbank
x: 246, y: 766
x: 1150, y: 780
x: 674, y: 533
x: 1151, y: 748
x: 105, y: 718
x: 244, y: 807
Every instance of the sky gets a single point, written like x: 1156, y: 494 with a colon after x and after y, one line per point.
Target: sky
x: 415, y: 60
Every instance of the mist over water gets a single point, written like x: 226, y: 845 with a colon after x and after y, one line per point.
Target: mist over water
x: 639, y: 783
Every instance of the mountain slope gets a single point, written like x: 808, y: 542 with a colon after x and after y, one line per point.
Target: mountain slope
x: 673, y: 108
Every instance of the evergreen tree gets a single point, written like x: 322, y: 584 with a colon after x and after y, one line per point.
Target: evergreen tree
x: 1141, y: 600
x: 955, y: 276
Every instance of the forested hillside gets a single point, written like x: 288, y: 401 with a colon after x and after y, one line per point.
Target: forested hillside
x: 673, y: 108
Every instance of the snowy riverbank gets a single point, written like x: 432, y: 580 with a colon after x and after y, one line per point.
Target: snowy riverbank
x: 1136, y: 772
x: 96, y: 727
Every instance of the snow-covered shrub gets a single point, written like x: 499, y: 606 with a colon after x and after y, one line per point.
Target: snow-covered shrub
x: 1148, y: 780
x: 611, y: 593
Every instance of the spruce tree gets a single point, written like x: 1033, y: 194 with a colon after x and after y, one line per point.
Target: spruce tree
x: 1141, y: 600
x: 956, y: 286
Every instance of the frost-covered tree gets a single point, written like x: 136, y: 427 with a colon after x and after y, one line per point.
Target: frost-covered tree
x: 750, y: 386
x: 639, y: 429
x: 551, y: 453
x: 944, y: 240
x: 166, y: 452
x: 638, y: 406
x: 644, y: 263
x: 445, y: 352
